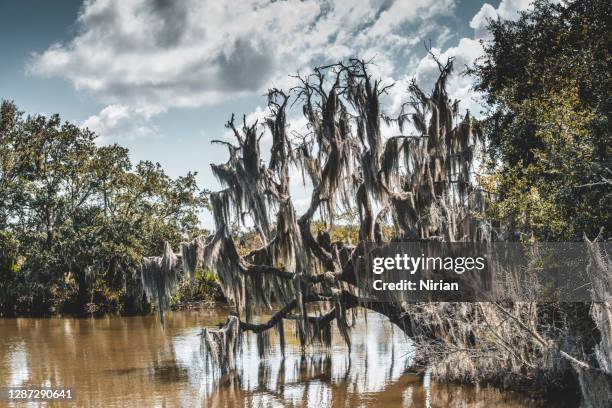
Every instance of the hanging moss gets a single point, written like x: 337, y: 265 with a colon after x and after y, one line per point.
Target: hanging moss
x: 159, y: 277
x: 192, y: 254
x: 220, y: 347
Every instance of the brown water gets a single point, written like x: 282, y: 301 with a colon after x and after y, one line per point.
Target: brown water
x: 130, y: 361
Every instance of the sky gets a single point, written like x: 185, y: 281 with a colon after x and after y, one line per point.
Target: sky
x: 161, y: 77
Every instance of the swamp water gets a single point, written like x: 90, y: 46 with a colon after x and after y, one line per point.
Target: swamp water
x: 130, y: 361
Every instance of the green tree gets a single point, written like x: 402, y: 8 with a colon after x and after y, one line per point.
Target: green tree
x: 546, y: 81
x: 81, y: 216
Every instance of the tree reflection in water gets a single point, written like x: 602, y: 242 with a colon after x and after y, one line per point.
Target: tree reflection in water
x: 120, y: 361
x: 375, y: 373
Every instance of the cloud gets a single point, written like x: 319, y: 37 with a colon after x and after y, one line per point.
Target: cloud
x: 481, y: 20
x: 507, y: 10
x: 119, y: 122
x: 153, y: 55
x: 466, y: 52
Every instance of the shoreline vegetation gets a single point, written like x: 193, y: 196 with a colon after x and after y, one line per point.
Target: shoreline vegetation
x: 199, y: 293
x: 83, y: 231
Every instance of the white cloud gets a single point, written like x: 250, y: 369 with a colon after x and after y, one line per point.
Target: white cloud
x: 466, y: 52
x: 153, y: 55
x: 507, y: 10
x: 480, y: 21
x: 120, y: 122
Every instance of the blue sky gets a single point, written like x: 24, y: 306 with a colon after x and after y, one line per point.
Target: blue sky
x: 162, y: 77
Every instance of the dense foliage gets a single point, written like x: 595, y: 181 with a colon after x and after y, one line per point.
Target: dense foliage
x: 76, y: 218
x: 546, y: 79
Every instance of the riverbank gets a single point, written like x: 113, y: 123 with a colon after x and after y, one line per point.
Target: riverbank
x: 21, y: 298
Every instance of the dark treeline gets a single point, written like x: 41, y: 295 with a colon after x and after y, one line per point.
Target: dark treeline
x: 76, y: 218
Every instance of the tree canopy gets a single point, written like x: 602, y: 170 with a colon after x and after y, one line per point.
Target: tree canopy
x: 76, y: 217
x: 546, y: 81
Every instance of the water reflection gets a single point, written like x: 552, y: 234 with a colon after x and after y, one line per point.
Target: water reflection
x: 117, y: 361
